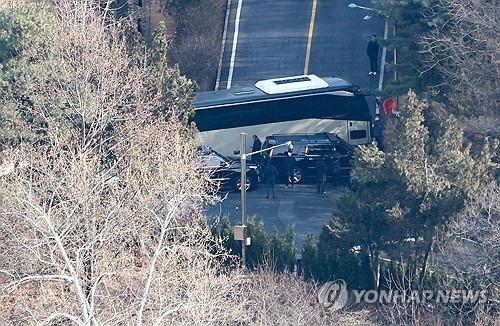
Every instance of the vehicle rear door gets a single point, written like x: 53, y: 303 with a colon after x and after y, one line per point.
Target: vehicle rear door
x: 313, y: 153
x: 345, y: 157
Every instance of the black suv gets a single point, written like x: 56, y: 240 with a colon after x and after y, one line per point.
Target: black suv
x: 227, y: 171
x: 307, y: 150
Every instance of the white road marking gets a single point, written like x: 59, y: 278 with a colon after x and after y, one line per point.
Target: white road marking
x: 235, y: 42
x: 382, y: 63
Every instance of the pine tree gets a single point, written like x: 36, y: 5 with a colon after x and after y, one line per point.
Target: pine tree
x: 400, y: 199
x: 440, y: 175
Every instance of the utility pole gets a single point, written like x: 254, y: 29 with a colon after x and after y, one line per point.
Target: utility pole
x: 241, y: 231
x: 243, y: 181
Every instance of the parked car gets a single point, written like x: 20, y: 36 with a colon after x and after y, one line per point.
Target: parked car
x: 227, y: 171
x: 307, y: 150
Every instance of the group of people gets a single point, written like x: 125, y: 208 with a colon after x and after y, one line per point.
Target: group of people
x: 270, y: 172
x: 330, y: 162
x: 324, y: 164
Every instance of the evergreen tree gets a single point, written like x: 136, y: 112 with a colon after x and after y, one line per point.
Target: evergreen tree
x: 440, y: 175
x: 27, y: 31
x: 409, y: 20
x: 226, y: 232
x: 282, y: 249
x: 310, y: 264
x: 399, y: 200
x: 332, y: 256
x: 258, y: 251
x: 176, y: 90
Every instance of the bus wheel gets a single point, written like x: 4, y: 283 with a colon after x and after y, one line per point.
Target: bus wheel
x: 248, y: 184
x: 297, y: 175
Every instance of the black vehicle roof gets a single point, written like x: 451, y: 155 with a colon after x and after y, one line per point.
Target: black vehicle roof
x: 238, y: 95
x: 308, y: 139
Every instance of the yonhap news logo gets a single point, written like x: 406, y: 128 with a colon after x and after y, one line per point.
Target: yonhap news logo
x: 334, y: 296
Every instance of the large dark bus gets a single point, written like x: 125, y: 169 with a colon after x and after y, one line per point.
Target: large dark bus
x: 300, y: 104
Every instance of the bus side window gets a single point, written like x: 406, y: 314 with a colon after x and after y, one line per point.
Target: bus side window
x: 293, y: 108
x: 224, y: 117
x: 330, y: 106
x: 357, y: 134
x: 257, y: 113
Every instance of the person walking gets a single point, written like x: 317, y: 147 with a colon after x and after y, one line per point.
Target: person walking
x: 290, y: 163
x: 270, y: 174
x: 372, y: 53
x: 256, y: 146
x: 321, y: 174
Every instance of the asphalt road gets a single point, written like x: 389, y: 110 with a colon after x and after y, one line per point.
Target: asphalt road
x: 275, y: 38
x: 300, y: 206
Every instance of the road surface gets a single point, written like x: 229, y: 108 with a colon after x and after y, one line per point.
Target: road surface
x: 278, y: 38
x: 300, y: 206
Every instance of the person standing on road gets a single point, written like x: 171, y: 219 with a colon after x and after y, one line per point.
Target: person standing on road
x: 256, y: 146
x: 270, y: 174
x: 333, y: 163
x: 290, y: 163
x: 321, y: 174
x: 372, y: 53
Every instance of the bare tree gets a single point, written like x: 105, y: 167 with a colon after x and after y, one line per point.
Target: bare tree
x: 198, y: 39
x: 101, y: 223
x: 465, y: 48
x: 476, y: 235
x: 101, y: 220
x: 282, y: 298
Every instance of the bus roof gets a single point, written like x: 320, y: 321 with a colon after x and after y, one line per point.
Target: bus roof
x: 276, y: 88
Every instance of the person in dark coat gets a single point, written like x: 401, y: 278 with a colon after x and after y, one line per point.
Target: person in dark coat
x: 372, y: 53
x: 377, y: 131
x: 289, y: 164
x: 256, y: 146
x: 333, y: 161
x: 139, y: 28
x: 270, y: 174
x: 321, y: 174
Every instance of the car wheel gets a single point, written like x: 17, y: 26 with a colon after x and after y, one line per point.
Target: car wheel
x: 297, y: 175
x: 248, y: 184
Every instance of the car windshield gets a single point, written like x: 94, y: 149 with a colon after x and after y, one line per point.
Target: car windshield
x: 211, y: 158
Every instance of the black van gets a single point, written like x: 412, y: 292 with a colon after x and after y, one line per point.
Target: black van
x: 307, y: 149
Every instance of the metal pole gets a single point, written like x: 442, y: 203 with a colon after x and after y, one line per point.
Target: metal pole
x: 243, y: 194
x: 395, y: 52
x: 243, y: 182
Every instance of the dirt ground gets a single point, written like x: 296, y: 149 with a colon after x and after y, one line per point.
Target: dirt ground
x: 157, y: 16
